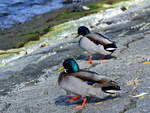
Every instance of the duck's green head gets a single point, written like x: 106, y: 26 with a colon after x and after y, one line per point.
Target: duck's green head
x: 70, y: 65
x: 82, y: 30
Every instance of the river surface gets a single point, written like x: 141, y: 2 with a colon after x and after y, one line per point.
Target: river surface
x: 19, y: 11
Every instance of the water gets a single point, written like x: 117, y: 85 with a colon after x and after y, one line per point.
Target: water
x: 19, y: 11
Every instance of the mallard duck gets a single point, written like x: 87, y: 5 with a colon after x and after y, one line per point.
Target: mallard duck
x: 95, y: 43
x: 84, y: 83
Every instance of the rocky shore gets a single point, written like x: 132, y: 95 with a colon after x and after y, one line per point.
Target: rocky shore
x: 34, y: 89
x: 22, y: 33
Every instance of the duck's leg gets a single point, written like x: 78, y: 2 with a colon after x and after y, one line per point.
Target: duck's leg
x: 83, y: 104
x: 103, y: 57
x: 90, y: 59
x: 74, y: 99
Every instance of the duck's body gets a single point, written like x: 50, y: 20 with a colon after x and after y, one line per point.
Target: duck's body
x: 85, y: 83
x: 95, y: 43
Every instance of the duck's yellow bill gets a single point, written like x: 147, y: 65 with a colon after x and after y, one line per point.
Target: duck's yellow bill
x: 76, y: 35
x: 60, y: 69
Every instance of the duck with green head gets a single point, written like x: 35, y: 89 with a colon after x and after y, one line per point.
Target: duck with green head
x: 85, y: 83
x: 95, y: 43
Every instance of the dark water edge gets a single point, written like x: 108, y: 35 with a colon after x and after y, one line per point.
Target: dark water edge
x: 19, y: 11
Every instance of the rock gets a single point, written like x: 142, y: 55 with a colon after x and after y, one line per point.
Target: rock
x: 44, y: 45
x: 106, y: 5
x: 10, y: 51
x: 123, y: 8
x: 129, y: 70
x: 85, y: 8
x: 79, y: 8
x: 45, y: 92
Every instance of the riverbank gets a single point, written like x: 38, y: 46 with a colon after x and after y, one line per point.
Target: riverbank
x: 33, y: 86
x: 22, y: 33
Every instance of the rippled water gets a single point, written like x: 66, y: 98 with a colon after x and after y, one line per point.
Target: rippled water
x: 19, y: 11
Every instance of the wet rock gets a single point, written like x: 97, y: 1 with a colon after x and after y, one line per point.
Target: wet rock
x: 123, y: 8
x: 85, y: 8
x: 10, y: 51
x: 44, y: 45
x: 79, y: 8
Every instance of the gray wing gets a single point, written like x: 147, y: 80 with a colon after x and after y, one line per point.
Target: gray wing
x: 99, y: 38
x: 92, y: 47
x: 80, y: 87
x: 90, y: 75
x: 99, y: 80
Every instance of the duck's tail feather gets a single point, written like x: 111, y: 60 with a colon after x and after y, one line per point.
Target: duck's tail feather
x: 111, y: 89
x: 110, y: 47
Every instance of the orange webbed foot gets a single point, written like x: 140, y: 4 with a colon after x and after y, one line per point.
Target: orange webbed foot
x: 83, y: 104
x: 78, y: 107
x: 74, y: 99
x: 90, y: 59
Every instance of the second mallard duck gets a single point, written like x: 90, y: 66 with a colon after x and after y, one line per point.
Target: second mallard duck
x: 85, y: 83
x: 95, y: 43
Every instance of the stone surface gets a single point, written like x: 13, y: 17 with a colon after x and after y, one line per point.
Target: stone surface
x: 40, y: 89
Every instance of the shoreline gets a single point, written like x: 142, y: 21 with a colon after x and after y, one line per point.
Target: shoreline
x: 20, y: 34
